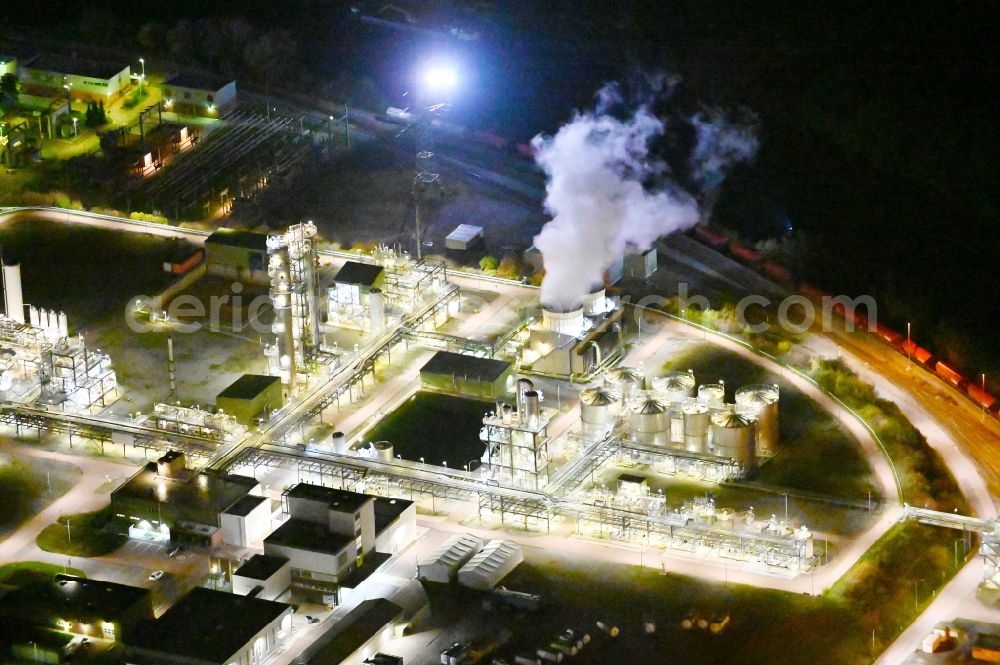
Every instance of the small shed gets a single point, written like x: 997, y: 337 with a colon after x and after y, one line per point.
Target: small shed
x: 464, y: 237
x: 493, y: 563
x: 354, y: 282
x: 249, y: 396
x: 443, y: 564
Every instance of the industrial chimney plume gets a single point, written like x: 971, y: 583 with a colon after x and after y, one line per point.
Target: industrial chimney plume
x: 596, y: 166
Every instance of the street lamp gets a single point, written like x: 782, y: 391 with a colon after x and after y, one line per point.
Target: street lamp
x: 142, y: 77
x: 75, y: 131
x: 786, y: 507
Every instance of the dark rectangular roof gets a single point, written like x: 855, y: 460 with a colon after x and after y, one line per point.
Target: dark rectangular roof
x: 302, y: 535
x: 197, y: 499
x: 198, y: 81
x: 261, y: 566
x: 207, y: 625
x: 244, y: 505
x: 469, y: 367
x: 242, y: 239
x: 248, y: 386
x: 337, y: 499
x: 355, y: 272
x: 89, y: 68
x: 631, y: 478
x: 388, y: 510
x: 351, y: 632
x: 74, y: 598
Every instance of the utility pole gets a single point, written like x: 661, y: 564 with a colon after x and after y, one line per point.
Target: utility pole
x: 69, y: 533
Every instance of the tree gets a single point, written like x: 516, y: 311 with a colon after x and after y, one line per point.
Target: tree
x: 8, y: 89
x: 488, y: 263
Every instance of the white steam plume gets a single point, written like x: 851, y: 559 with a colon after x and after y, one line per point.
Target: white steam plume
x: 719, y: 144
x: 595, y: 166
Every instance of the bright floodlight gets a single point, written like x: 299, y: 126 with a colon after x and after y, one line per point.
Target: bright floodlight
x: 439, y: 78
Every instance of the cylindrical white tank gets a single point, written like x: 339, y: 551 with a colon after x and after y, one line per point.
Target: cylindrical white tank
x: 696, y: 423
x: 12, y: 298
x: 594, y: 302
x: 507, y: 413
x: 761, y: 400
x: 383, y: 450
x: 339, y: 443
x: 376, y: 311
x: 33, y: 315
x: 599, y: 405
x: 650, y: 421
x: 63, y: 325
x: 523, y: 386
x: 626, y: 380
x: 713, y: 394
x: 734, y: 436
x: 675, y: 386
x: 532, y: 408
x: 568, y: 321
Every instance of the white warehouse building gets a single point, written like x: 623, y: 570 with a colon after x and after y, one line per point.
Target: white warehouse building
x: 485, y: 570
x: 444, y: 563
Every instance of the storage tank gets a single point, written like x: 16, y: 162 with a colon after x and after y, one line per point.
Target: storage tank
x: 13, y: 301
x: 626, y: 380
x: 713, y: 394
x: 595, y: 302
x: 384, y: 451
x: 599, y: 405
x: 650, y: 421
x: 339, y: 443
x: 376, y: 312
x: 675, y: 386
x: 761, y: 400
x: 734, y: 436
x: 532, y: 408
x: 696, y: 422
x: 565, y: 320
x: 523, y: 386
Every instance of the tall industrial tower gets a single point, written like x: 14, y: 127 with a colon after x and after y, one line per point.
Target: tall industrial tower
x: 293, y: 267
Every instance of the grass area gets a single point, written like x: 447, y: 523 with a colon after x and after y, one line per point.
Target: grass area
x: 24, y: 572
x: 415, y: 429
x: 815, y: 453
x: 24, y: 486
x: 90, y: 273
x: 924, y: 476
x: 87, y: 535
x: 891, y: 584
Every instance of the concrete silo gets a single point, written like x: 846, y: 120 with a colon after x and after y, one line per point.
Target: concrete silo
x: 627, y: 380
x: 761, y: 400
x: 599, y: 405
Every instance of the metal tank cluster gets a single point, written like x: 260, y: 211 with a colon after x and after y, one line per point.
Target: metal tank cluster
x: 674, y: 412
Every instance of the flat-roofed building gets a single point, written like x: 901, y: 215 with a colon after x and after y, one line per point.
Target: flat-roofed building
x: 79, y: 606
x: 467, y: 375
x: 87, y: 79
x: 263, y: 576
x: 251, y: 396
x: 237, y: 255
x: 198, y: 94
x: 358, y: 635
x: 165, y: 500
x: 247, y: 521
x: 208, y: 627
x: 354, y: 281
x: 395, y: 524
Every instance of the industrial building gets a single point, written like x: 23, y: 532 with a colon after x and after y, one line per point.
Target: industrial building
x: 357, y: 635
x: 331, y: 538
x: 198, y: 94
x: 263, y: 576
x: 490, y: 565
x: 78, y: 606
x: 52, y: 75
x: 573, y: 340
x: 250, y: 398
x: 240, y: 255
x: 208, y: 627
x: 165, y: 500
x: 443, y: 564
x: 247, y: 521
x: 456, y: 373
